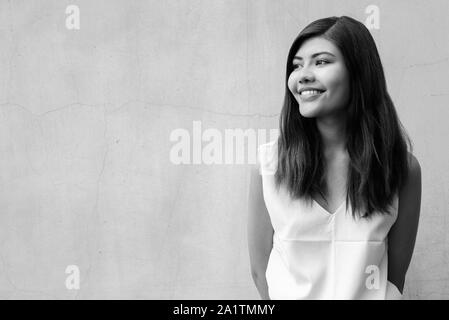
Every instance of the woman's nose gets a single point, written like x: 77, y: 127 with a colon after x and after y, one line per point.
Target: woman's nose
x: 306, y: 76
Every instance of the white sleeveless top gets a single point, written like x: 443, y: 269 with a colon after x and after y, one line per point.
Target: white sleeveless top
x: 322, y: 255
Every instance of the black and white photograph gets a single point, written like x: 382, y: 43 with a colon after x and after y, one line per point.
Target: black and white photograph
x: 224, y: 150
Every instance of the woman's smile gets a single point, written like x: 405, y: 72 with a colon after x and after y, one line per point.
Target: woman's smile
x: 310, y: 95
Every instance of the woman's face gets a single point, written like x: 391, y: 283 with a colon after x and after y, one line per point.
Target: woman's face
x: 319, y: 65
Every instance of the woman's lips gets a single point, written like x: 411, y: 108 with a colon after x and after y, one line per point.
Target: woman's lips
x: 308, y: 96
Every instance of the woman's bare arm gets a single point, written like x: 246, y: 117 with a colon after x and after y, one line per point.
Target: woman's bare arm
x: 402, y: 235
x: 260, y: 233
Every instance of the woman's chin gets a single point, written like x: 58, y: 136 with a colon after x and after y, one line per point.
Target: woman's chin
x: 308, y: 112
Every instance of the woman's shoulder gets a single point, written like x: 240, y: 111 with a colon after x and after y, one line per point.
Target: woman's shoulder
x: 268, y: 146
x: 414, y: 166
x: 267, y: 157
x: 413, y: 183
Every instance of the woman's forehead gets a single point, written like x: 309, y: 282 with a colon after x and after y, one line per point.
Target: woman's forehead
x: 316, y: 45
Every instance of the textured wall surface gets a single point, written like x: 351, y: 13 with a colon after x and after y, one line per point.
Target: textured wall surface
x: 86, y: 176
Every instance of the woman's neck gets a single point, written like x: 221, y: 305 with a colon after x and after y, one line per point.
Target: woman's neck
x: 333, y: 136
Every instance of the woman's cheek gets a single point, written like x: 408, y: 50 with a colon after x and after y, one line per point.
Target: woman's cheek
x: 291, y: 83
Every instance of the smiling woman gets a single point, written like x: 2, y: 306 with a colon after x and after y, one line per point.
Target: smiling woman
x: 334, y: 203
x: 321, y: 77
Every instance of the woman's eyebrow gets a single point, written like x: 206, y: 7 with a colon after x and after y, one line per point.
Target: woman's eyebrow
x: 313, y: 55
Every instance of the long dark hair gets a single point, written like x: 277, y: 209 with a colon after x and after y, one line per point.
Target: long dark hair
x: 376, y: 140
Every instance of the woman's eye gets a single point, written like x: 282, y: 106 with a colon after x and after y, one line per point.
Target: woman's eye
x: 318, y: 62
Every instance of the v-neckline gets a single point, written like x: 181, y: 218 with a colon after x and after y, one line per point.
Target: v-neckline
x: 327, y: 212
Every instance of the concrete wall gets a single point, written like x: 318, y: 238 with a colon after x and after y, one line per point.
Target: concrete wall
x: 87, y: 177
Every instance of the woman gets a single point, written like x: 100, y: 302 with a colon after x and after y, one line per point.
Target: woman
x: 334, y: 202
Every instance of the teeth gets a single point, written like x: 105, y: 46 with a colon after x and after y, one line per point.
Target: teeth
x: 310, y: 92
